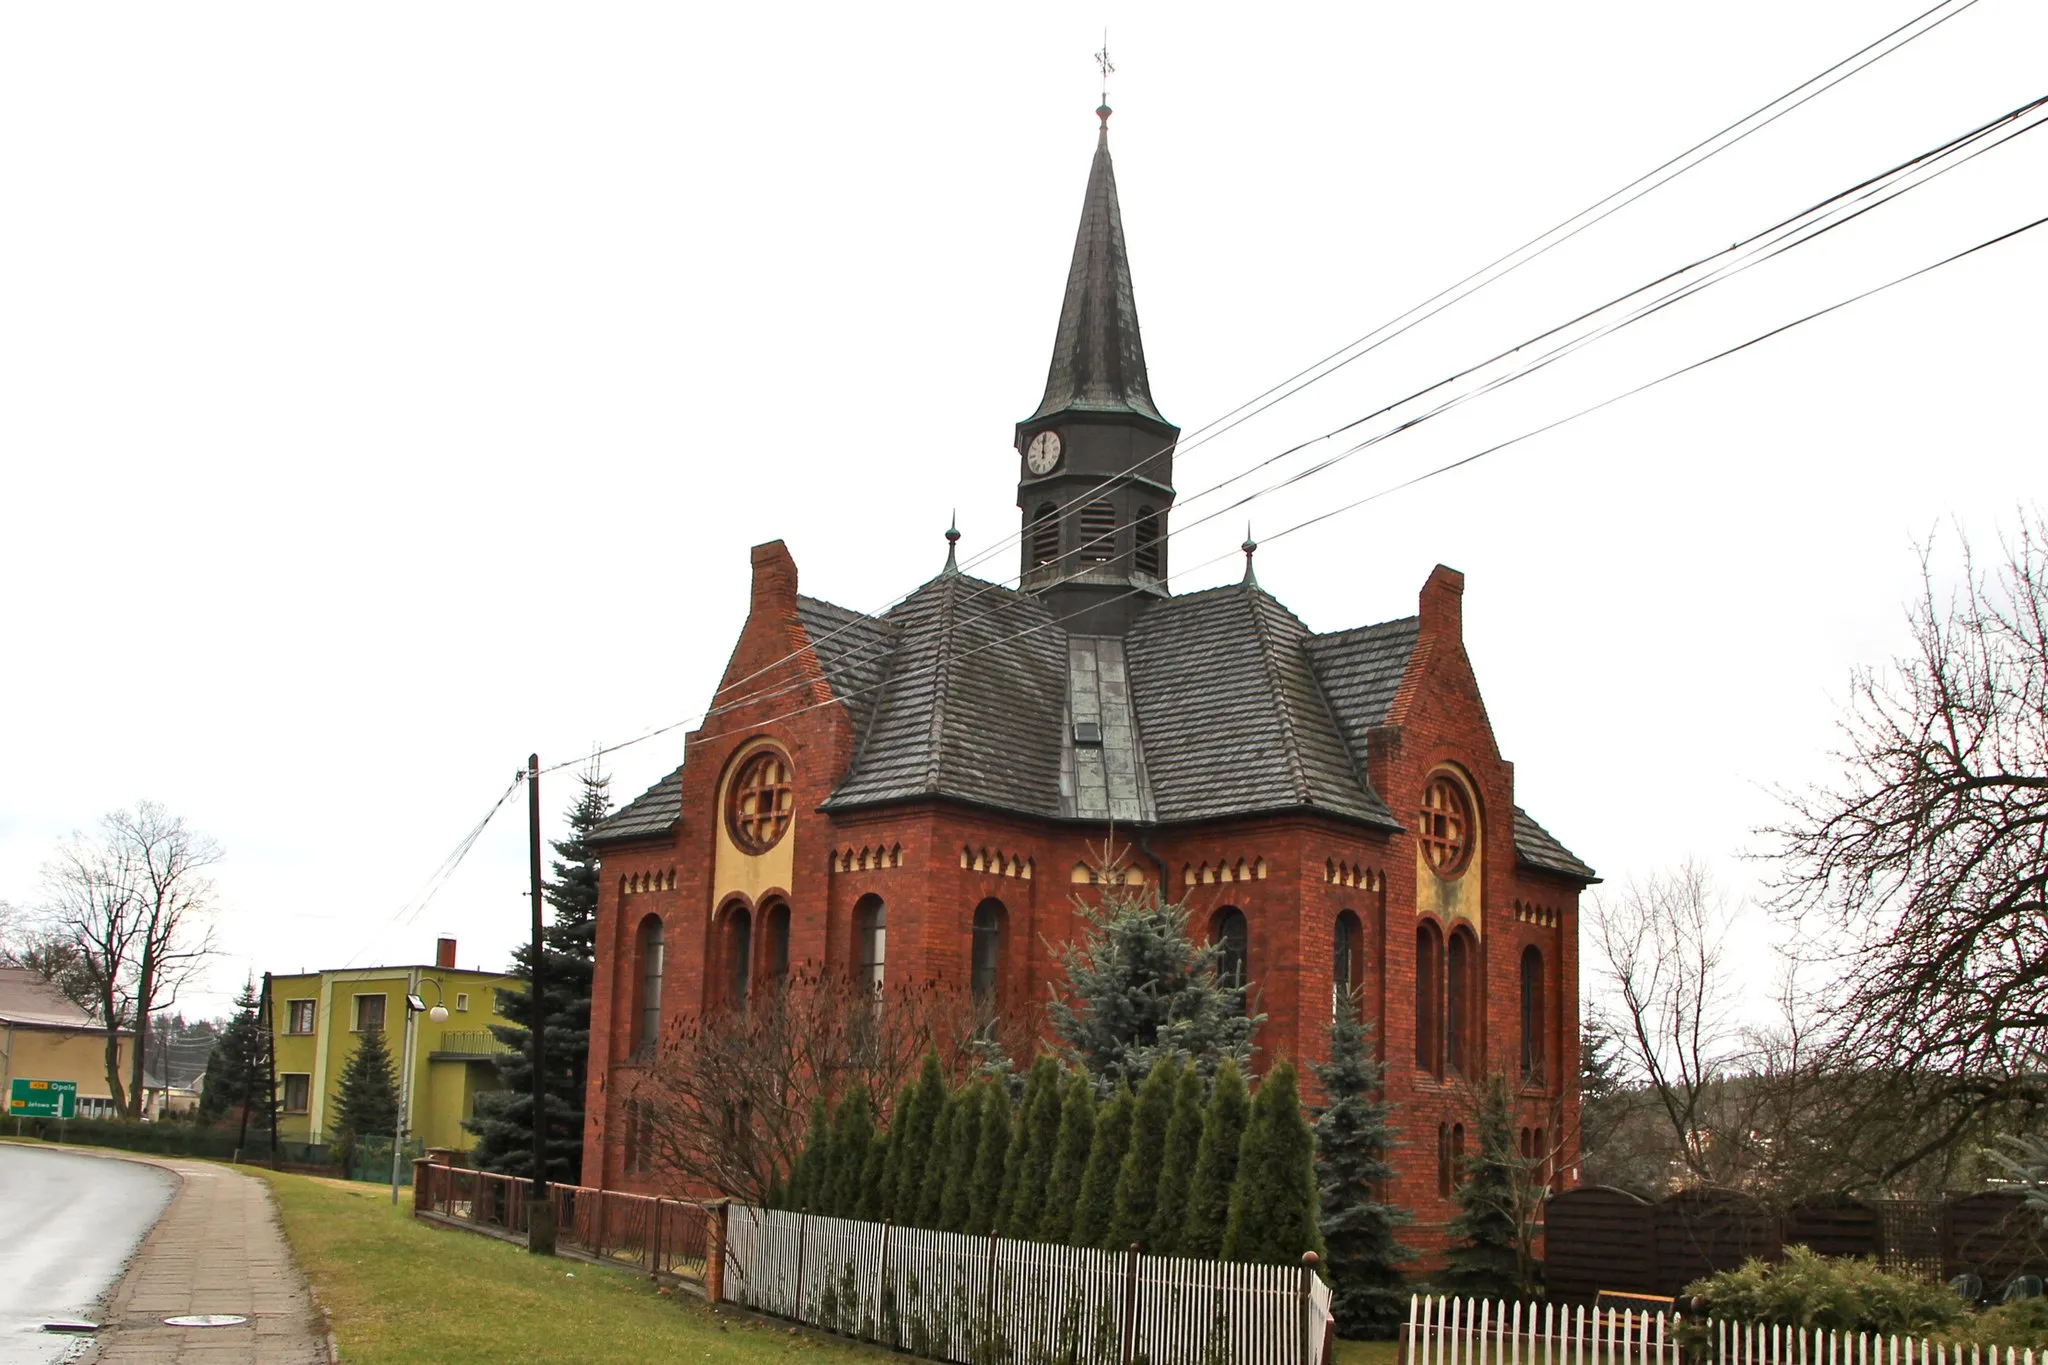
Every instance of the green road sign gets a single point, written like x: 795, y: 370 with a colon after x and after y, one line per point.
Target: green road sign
x: 28, y: 1099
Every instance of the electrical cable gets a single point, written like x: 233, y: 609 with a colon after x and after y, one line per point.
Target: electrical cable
x: 410, y: 910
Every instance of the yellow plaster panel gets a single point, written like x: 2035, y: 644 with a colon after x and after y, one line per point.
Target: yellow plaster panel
x: 735, y: 870
x: 1460, y: 898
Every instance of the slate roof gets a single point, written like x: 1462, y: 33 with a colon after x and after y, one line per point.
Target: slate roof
x: 1360, y: 671
x: 853, y: 650
x: 654, y: 811
x: 1535, y: 846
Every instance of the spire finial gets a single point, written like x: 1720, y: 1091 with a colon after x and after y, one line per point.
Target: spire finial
x: 1102, y: 61
x: 952, y: 543
x: 1250, y: 548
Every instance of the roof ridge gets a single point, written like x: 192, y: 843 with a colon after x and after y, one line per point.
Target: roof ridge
x: 942, y: 676
x: 1360, y: 630
x: 1296, y: 769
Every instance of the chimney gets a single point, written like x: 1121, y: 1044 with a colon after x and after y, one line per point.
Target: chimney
x: 444, y: 954
x: 1441, y: 603
x: 774, y: 576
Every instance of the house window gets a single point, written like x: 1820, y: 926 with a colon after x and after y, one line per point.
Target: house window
x: 988, y: 949
x: 299, y: 1015
x: 760, y: 802
x: 1145, y: 534
x: 738, y: 934
x: 462, y: 1002
x: 369, y: 1014
x: 1045, y: 534
x: 1098, y: 532
x: 871, y: 929
x: 1457, y: 1154
x: 1229, y: 932
x: 649, y: 1012
x: 1347, y: 964
x: 1445, y: 826
x: 1443, y: 1161
x: 1460, y: 1027
x: 1429, y: 994
x: 298, y: 1091
x: 775, y: 944
x: 1532, y: 1014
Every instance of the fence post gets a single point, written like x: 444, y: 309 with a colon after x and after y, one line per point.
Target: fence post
x: 988, y: 1294
x: 714, y: 1252
x: 654, y: 1241
x: 1130, y: 1323
x: 885, y: 1327
x: 803, y: 1225
x: 1308, y: 1278
x: 597, y: 1236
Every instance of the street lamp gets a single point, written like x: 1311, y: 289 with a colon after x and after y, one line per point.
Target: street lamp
x: 414, y: 1005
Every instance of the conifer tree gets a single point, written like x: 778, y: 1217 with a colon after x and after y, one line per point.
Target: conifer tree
x: 911, y: 1126
x: 853, y: 1134
x: 873, y: 1204
x: 366, y: 1105
x: 1177, y: 1165
x: 1043, y: 1078
x: 989, y: 1158
x: 1137, y: 1184
x: 1273, y: 1201
x: 1139, y: 988
x: 1352, y: 1141
x: 931, y: 1197
x: 504, y: 1118
x: 1223, y: 1123
x: 1095, y: 1210
x: 882, y: 1201
x: 1042, y: 1120
x: 963, y: 1146
x: 237, y: 1074
x: 1483, y: 1258
x: 806, y: 1177
x: 1070, y: 1158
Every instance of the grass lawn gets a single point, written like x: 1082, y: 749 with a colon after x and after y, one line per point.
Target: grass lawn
x: 400, y: 1290
x: 1368, y: 1353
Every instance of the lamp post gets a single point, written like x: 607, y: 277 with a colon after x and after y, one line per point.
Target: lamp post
x: 414, y: 1005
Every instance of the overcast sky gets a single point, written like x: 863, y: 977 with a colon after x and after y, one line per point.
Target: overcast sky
x: 389, y: 390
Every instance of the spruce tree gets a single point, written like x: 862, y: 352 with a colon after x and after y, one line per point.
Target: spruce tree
x: 237, y: 1074
x: 1352, y: 1141
x: 986, y: 1200
x: 853, y: 1133
x: 504, y: 1118
x: 1177, y: 1165
x: 1483, y: 1257
x: 931, y: 1198
x: 963, y: 1146
x: 1041, y: 1121
x: 1223, y: 1123
x: 912, y: 1128
x: 1070, y: 1159
x: 366, y: 1105
x: 1044, y: 1078
x: 1095, y: 1210
x: 1273, y: 1201
x: 1137, y: 1184
x: 1138, y: 988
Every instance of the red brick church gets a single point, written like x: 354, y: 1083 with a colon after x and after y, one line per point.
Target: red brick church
x: 914, y: 796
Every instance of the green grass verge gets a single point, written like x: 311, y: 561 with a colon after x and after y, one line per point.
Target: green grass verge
x: 396, y: 1289
x: 1368, y: 1353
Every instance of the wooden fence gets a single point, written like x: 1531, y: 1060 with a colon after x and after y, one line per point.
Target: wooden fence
x: 1445, y: 1331
x: 659, y: 1236
x: 988, y: 1301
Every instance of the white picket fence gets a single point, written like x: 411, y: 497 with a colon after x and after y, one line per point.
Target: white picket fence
x: 1447, y: 1331
x: 945, y: 1296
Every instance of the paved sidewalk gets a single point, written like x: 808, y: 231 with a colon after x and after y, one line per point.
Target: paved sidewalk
x: 217, y: 1249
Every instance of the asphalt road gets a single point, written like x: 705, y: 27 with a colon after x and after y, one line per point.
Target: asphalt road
x: 68, y: 1225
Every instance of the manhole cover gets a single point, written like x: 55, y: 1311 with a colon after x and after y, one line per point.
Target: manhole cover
x: 205, y: 1320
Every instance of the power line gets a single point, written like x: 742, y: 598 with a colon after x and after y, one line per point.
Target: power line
x: 410, y: 910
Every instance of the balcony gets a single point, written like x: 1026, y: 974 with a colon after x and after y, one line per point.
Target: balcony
x: 467, y: 1045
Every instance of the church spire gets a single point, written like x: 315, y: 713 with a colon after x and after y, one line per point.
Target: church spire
x: 1098, y: 358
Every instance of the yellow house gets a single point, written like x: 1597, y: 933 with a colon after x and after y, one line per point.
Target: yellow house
x: 318, y: 1018
x: 44, y: 1037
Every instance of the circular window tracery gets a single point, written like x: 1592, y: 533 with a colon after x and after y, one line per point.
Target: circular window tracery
x: 1445, y: 826
x: 760, y: 802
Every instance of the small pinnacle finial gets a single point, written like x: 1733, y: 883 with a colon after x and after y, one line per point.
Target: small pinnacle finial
x: 1250, y: 548
x: 1102, y: 111
x: 952, y: 542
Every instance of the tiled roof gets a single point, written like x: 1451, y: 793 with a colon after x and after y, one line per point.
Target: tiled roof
x: 1360, y: 671
x: 654, y: 811
x: 853, y: 650
x: 1535, y: 847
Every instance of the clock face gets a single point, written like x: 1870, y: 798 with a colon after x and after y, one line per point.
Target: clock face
x: 1043, y: 452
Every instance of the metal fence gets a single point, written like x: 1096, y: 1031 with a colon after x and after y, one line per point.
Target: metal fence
x: 988, y: 1301
x: 655, y: 1235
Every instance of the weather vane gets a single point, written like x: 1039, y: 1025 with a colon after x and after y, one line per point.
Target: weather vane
x: 1102, y: 60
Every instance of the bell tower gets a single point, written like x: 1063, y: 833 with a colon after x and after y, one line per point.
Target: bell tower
x: 1095, y: 477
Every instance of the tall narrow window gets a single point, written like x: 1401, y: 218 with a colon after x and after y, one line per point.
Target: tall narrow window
x: 1229, y: 932
x: 1145, y: 541
x: 1532, y: 1013
x: 1443, y: 1161
x: 649, y: 1029
x: 1429, y: 996
x: 1457, y: 1154
x: 1045, y: 534
x: 1347, y: 964
x: 1098, y: 532
x: 989, y: 919
x: 1459, y: 997
x: 775, y: 944
x: 871, y: 930
x: 739, y: 953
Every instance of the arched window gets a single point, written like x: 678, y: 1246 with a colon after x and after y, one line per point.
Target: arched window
x: 1045, y: 534
x: 775, y: 944
x: 1457, y: 1154
x: 1443, y: 1161
x: 1429, y: 997
x: 760, y: 801
x: 1532, y: 1013
x: 1541, y: 1152
x: 871, y: 941
x: 1347, y: 964
x: 1229, y: 932
x: 1145, y: 536
x: 737, y: 929
x: 1460, y: 996
x: 649, y: 1012
x: 1444, y: 827
x: 990, y: 920
x: 1098, y: 532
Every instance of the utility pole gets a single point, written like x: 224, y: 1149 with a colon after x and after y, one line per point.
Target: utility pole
x: 540, y: 1209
